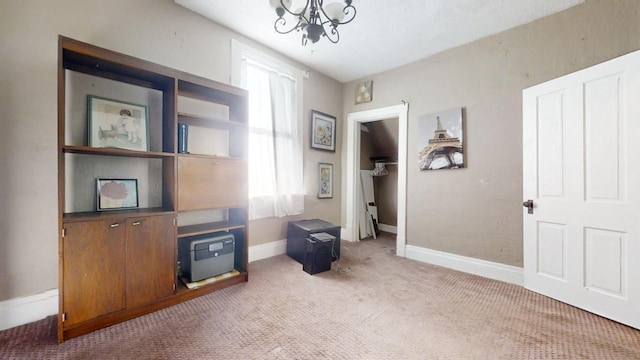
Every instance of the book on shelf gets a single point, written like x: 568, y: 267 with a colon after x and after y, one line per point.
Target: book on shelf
x: 183, y: 137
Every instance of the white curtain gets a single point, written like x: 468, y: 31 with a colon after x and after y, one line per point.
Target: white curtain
x: 275, y: 152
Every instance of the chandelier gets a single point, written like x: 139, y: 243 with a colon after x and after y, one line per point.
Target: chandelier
x: 315, y: 19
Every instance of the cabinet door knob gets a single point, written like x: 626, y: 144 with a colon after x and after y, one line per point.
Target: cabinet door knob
x: 114, y: 225
x: 136, y: 223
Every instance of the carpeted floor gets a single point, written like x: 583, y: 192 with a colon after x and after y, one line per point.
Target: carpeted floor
x: 372, y: 305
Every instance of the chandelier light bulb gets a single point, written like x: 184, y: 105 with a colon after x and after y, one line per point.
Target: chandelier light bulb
x: 335, y: 11
x: 278, y: 3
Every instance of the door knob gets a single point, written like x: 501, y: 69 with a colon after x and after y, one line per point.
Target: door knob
x: 529, y: 205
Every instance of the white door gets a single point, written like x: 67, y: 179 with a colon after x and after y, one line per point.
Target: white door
x: 581, y: 169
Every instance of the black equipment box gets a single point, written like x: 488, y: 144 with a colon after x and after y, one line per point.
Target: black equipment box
x: 318, y: 253
x: 298, y: 232
x: 206, y: 256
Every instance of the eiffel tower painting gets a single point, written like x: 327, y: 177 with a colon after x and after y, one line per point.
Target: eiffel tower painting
x: 440, y: 140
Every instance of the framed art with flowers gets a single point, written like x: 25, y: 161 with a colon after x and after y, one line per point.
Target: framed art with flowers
x: 323, y: 131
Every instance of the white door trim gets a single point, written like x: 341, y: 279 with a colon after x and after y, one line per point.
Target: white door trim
x: 354, y: 120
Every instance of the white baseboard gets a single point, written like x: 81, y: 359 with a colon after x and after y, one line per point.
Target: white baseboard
x: 345, y: 234
x: 388, y: 228
x: 23, y: 310
x: 492, y: 270
x: 263, y: 251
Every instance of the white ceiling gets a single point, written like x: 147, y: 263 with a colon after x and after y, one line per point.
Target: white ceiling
x: 384, y: 34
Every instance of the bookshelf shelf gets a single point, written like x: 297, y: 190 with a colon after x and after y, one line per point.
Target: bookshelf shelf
x: 197, y: 120
x: 88, y: 150
x: 94, y: 215
x: 206, y: 228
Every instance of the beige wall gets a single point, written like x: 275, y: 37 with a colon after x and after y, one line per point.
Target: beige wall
x: 154, y: 30
x: 477, y: 211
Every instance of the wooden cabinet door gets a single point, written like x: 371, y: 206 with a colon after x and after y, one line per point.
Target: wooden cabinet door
x: 93, y: 269
x: 208, y: 183
x: 150, y: 259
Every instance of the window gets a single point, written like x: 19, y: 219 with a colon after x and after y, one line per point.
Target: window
x: 275, y: 137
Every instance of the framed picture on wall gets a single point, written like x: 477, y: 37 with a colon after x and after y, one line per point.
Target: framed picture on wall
x: 440, y: 144
x: 117, y: 124
x: 323, y: 131
x: 364, y: 92
x: 116, y: 194
x: 325, y: 181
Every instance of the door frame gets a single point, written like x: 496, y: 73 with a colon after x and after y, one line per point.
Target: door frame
x: 354, y: 120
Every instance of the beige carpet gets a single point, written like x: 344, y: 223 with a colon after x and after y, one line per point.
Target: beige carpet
x: 372, y: 305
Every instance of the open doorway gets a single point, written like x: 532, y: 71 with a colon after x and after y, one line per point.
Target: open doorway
x: 379, y: 178
x: 355, y: 120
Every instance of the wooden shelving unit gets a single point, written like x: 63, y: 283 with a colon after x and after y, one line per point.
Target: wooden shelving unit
x: 116, y: 265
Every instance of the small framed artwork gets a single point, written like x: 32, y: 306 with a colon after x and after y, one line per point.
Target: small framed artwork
x: 440, y: 144
x: 117, y: 124
x: 323, y: 131
x: 364, y: 92
x: 116, y: 194
x: 325, y: 181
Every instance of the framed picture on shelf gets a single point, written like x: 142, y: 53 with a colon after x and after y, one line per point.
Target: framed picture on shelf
x: 323, y: 131
x: 325, y: 181
x: 117, y: 124
x: 116, y: 194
